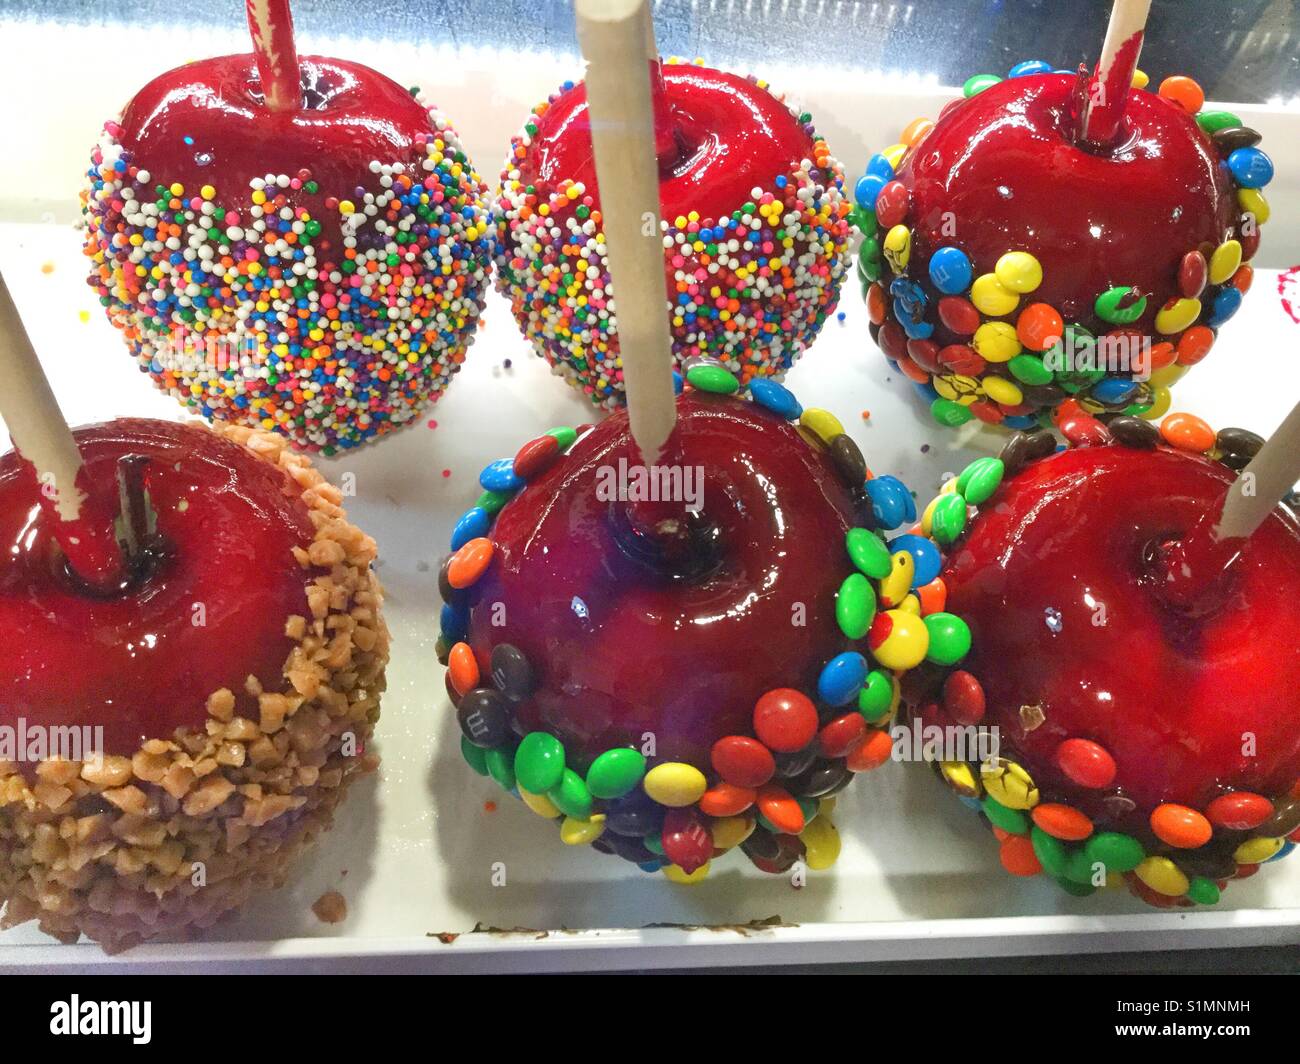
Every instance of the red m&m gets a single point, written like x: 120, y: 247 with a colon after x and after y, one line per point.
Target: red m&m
x: 1086, y: 763
x: 785, y: 720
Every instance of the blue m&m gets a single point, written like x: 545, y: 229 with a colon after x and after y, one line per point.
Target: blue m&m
x: 950, y: 271
x: 842, y: 678
x: 1225, y: 305
x: 1111, y: 390
x: 868, y: 189
x: 500, y: 476
x: 775, y: 397
x: 891, y: 503
x: 924, y: 554
x: 879, y: 166
x: 1030, y: 66
x: 1250, y: 167
x: 473, y: 524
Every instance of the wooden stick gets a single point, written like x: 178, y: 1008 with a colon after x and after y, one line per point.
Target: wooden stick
x: 1271, y: 474
x: 1194, y: 573
x: 270, y: 23
x: 43, y: 439
x: 613, y: 35
x: 1112, y: 80
x: 667, y: 150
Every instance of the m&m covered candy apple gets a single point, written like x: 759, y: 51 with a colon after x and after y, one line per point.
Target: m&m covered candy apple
x: 218, y: 691
x: 673, y: 660
x: 294, y: 244
x: 1140, y: 674
x: 1025, y: 248
x: 754, y: 230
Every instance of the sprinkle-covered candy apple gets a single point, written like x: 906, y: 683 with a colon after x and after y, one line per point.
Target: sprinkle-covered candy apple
x: 754, y: 230
x: 680, y: 634
x: 1137, y: 654
x: 195, y: 609
x: 298, y: 245
x: 1053, y: 235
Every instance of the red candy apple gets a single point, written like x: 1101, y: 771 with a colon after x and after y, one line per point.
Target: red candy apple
x: 586, y: 581
x: 1013, y: 261
x: 675, y: 653
x: 1137, y: 736
x: 754, y: 230
x: 203, y: 611
x: 316, y: 267
x: 222, y: 690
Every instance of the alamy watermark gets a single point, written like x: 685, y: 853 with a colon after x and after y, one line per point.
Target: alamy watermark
x: 918, y: 741
x: 190, y: 349
x: 33, y: 743
x: 1115, y: 353
x: 629, y: 482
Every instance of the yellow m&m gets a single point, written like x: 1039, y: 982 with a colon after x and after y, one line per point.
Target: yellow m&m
x: 675, y: 873
x: 675, y: 784
x: 1177, y: 315
x: 996, y: 341
x: 821, y: 843
x: 992, y: 297
x: 1018, y: 271
x: 1162, y: 876
x: 1253, y: 851
x: 1224, y: 261
x: 1009, y: 784
x: 903, y: 642
x: 581, y: 832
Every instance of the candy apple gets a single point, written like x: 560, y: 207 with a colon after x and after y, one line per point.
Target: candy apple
x: 754, y: 230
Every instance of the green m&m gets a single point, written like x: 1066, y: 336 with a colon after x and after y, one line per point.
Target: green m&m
x: 1116, y: 851
x: 868, y: 552
x: 855, y: 606
x: 539, y: 762
x: 950, y: 638
x: 571, y: 796
x: 615, y: 772
x: 979, y: 480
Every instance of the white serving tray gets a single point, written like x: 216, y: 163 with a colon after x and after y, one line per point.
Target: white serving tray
x: 414, y: 848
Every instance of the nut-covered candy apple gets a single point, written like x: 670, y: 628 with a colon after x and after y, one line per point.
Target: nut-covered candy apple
x: 1141, y: 675
x: 677, y: 659
x: 225, y: 686
x: 1015, y: 254
x: 313, y: 265
x: 754, y: 230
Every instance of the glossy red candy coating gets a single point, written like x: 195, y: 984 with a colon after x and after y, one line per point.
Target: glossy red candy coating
x: 621, y: 648
x: 1002, y: 172
x: 1168, y: 697
x: 137, y: 664
x: 206, y: 123
x: 732, y: 136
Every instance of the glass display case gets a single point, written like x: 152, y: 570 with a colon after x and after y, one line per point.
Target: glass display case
x: 430, y: 863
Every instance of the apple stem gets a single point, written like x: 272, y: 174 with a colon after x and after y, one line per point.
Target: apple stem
x: 270, y: 24
x: 136, y: 518
x: 81, y: 520
x: 667, y: 538
x: 1112, y: 81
